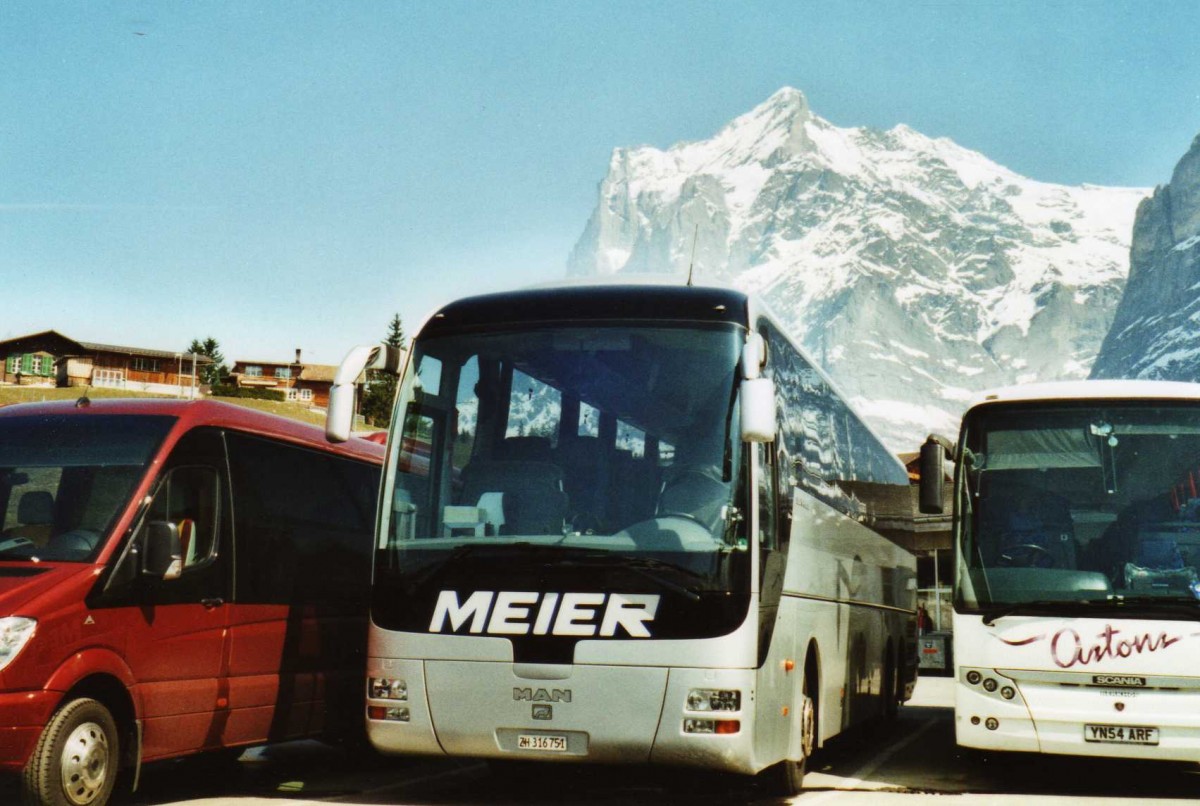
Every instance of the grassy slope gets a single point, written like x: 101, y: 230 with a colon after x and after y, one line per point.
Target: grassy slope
x: 37, y: 394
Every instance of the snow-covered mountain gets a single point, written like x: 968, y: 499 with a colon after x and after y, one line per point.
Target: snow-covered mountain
x: 916, y: 271
x: 1156, y: 333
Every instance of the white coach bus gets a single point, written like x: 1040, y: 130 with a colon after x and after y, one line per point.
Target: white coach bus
x: 1077, y: 597
x: 628, y: 525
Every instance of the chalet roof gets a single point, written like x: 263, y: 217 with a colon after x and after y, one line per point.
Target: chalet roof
x: 324, y: 373
x: 93, y: 347
x: 39, y: 338
x: 243, y: 362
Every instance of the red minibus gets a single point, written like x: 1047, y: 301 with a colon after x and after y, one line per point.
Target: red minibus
x: 175, y: 577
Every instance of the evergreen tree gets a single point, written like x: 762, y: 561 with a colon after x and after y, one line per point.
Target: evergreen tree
x: 380, y: 393
x: 210, y: 374
x: 395, y: 336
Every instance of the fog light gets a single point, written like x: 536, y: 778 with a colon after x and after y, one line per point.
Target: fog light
x: 723, y: 727
x: 705, y: 699
x: 973, y: 677
x: 381, y: 688
x: 388, y: 713
x: 1008, y: 692
x: 992, y: 723
x: 990, y: 684
x: 974, y: 720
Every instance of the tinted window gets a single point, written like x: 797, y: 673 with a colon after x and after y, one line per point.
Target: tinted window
x: 833, y: 455
x: 304, y: 522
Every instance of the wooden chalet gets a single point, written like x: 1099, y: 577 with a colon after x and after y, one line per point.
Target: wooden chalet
x: 51, y: 359
x: 301, y: 382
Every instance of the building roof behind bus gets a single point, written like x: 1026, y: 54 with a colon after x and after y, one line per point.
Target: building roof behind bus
x: 593, y: 302
x: 1090, y: 390
x: 193, y: 413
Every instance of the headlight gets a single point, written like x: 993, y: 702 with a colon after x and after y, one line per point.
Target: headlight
x: 387, y: 689
x: 15, y: 632
x: 706, y: 699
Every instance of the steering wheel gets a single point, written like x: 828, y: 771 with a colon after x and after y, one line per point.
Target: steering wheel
x: 74, y: 542
x: 687, y: 516
x: 1026, y: 555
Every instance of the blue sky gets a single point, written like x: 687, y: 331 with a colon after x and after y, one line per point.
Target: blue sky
x: 290, y: 174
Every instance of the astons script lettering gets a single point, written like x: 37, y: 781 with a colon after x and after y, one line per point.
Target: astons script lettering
x: 1068, y: 648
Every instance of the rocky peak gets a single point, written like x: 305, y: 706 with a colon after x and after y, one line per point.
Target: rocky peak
x: 915, y: 270
x: 1154, y: 333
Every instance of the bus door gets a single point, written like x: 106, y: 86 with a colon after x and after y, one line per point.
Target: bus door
x: 777, y: 690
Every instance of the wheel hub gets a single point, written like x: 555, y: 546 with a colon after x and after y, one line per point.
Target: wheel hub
x: 808, y: 726
x: 84, y: 763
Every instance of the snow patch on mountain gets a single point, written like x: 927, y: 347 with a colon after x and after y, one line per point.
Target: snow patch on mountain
x: 916, y: 271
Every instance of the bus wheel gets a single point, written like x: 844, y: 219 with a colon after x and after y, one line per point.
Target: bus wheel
x: 787, y: 777
x: 75, y: 762
x: 890, y: 690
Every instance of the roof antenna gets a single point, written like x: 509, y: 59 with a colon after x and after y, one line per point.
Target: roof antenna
x: 692, y: 262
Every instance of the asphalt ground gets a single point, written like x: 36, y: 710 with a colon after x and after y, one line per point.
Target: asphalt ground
x: 910, y: 761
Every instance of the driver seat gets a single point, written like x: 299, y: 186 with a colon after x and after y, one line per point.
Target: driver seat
x: 35, y: 517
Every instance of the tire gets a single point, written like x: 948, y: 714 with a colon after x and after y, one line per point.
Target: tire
x: 76, y: 759
x: 891, y: 690
x: 786, y: 779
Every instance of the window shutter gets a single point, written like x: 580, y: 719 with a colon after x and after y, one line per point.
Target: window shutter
x: 47, y: 365
x: 11, y: 364
x: 27, y: 363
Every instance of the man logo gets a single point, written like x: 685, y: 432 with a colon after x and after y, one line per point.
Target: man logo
x: 543, y: 712
x: 542, y: 695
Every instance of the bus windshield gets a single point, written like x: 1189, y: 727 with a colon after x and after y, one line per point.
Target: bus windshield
x: 605, y: 453
x: 1086, y: 506
x: 66, y: 479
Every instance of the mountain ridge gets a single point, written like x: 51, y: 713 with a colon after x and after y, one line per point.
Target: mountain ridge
x: 916, y: 271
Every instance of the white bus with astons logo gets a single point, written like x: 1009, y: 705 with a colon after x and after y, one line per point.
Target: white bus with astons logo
x: 628, y: 524
x: 1077, y: 592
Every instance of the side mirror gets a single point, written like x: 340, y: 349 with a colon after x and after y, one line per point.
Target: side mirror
x: 758, y: 410
x: 339, y: 417
x: 933, y: 474
x: 162, y: 555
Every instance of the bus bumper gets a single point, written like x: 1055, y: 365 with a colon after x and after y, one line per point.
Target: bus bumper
x: 1051, y: 717
x: 593, y: 714
x: 23, y: 716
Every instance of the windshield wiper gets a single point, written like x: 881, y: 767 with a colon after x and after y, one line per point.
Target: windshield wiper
x: 1115, y: 603
x: 644, y: 567
x: 1187, y: 606
x: 428, y: 572
x: 1038, y: 607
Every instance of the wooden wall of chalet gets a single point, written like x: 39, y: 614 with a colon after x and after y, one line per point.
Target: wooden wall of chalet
x: 135, y: 369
